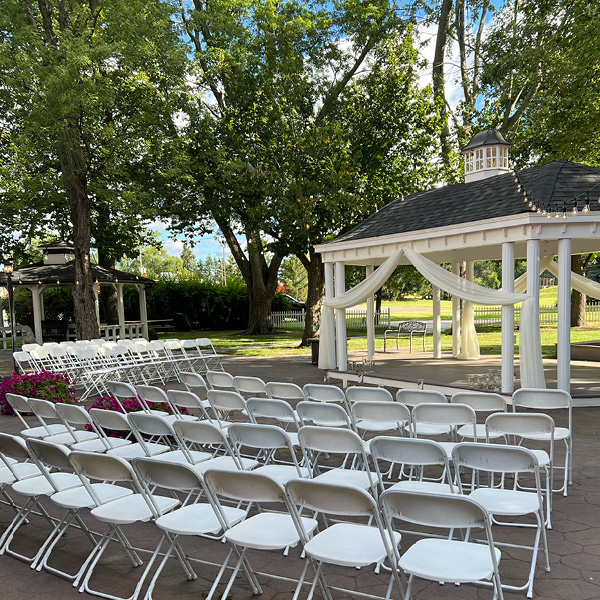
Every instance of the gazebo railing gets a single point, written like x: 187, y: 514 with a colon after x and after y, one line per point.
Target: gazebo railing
x: 6, y: 336
x: 355, y: 319
x: 492, y: 315
x: 133, y: 329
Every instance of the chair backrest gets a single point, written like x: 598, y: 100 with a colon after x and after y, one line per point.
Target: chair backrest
x: 444, y: 414
x: 330, y: 440
x: 167, y: 475
x: 496, y: 458
x: 149, y: 424
x: 12, y: 446
x: 409, y: 451
x: 43, y: 409
x: 324, y: 393
x: 328, y: 415
x: 254, y: 435
x: 358, y: 393
x: 185, y: 399
x: 120, y: 389
x: 102, y: 467
x: 29, y: 347
x: 270, y: 408
x: 330, y: 498
x: 151, y: 394
x: 541, y: 399
x: 220, y: 380
x: 50, y: 455
x: 289, y: 392
x: 244, y: 485
x: 414, y: 397
x: 23, y: 360
x: 383, y: 411
x: 520, y: 424
x: 73, y: 414
x: 205, y: 345
x: 480, y: 401
x: 110, y: 419
x: 200, y: 432
x: 193, y: 382
x: 225, y: 400
x: 253, y: 386
x: 39, y: 353
x: 435, y: 510
x: 19, y: 403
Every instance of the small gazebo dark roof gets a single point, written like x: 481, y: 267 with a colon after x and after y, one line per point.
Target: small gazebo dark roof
x: 491, y: 137
x: 551, y: 185
x: 64, y: 274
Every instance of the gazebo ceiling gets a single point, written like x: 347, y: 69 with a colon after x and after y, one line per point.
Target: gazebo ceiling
x: 64, y: 274
x: 470, y: 221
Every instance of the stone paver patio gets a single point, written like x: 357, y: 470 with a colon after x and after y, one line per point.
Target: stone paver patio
x: 574, y: 541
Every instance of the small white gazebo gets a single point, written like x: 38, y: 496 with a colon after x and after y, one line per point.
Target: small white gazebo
x: 544, y: 211
x: 57, y: 269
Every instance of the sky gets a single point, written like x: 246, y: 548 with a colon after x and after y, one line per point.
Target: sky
x: 425, y: 40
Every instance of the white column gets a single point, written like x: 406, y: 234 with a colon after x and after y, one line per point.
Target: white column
x: 508, y: 318
x: 456, y: 316
x: 340, y: 318
x: 36, y: 294
x: 97, y: 304
x: 143, y: 310
x: 330, y: 293
x: 563, y: 350
x: 121, y: 309
x: 533, y: 274
x: 437, y: 323
x: 370, y: 320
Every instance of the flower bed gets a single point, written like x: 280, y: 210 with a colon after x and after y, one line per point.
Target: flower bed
x: 55, y: 387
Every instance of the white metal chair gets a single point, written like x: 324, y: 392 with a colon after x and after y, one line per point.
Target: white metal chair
x: 24, y: 362
x: 347, y: 543
x: 325, y: 415
x: 542, y: 400
x: 20, y: 407
x: 182, y: 399
x: 380, y: 417
x: 220, y: 380
x: 318, y: 392
x: 250, y: 386
x: 193, y: 518
x: 413, y: 397
x: 480, y: 402
x: 195, y: 383
x: 501, y: 502
x: 268, y: 439
x: 359, y: 393
x: 134, y: 508
x: 263, y: 531
x: 416, y: 454
x: 153, y: 396
x: 225, y: 403
x: 290, y: 392
x: 212, y: 360
x: 444, y: 560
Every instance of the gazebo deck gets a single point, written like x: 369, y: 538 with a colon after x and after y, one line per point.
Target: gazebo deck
x: 403, y: 369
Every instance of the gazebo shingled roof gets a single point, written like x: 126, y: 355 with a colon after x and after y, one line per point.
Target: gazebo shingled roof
x: 555, y: 184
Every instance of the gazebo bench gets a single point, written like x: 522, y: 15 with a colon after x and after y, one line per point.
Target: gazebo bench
x: 406, y: 329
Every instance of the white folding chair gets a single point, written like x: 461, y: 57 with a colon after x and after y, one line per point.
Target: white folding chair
x: 347, y: 543
x: 290, y: 392
x: 72, y: 500
x: 374, y: 416
x: 153, y: 396
x: 220, y: 380
x: 250, y: 386
x: 316, y: 441
x: 502, y: 502
x: 189, y: 401
x: 212, y: 360
x: 325, y: 415
x: 443, y: 560
x: 193, y: 518
x: 21, y: 407
x: 195, y: 383
x: 480, y: 402
x: 542, y: 400
x: 263, y: 531
x: 134, y: 508
x: 24, y: 362
x: 318, y: 392
x: 193, y: 355
x: 413, y: 397
x: 359, y: 393
x: 268, y: 439
x: 416, y: 454
x: 225, y: 403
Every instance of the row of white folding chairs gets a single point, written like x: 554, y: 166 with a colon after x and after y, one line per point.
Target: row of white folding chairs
x: 486, y: 458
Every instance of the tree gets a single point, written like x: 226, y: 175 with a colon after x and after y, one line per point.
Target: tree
x: 89, y: 89
x: 272, y: 159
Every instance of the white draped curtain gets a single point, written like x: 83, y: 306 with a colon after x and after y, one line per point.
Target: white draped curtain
x: 530, y: 354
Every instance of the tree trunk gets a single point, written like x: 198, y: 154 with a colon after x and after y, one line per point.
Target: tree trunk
x: 577, y: 298
x: 73, y: 169
x: 316, y: 280
x: 108, y: 294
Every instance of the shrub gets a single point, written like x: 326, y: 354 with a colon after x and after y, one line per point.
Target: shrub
x: 55, y: 387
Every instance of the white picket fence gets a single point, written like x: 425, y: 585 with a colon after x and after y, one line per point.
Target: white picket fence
x: 355, y: 319
x: 492, y: 315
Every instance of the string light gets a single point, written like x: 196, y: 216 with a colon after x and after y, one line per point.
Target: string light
x: 564, y: 214
x: 586, y: 208
x: 557, y: 215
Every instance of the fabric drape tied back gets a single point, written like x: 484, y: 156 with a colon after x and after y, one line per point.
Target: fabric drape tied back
x: 530, y: 352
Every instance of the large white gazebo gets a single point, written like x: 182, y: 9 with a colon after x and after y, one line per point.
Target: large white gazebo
x: 57, y: 269
x: 544, y: 211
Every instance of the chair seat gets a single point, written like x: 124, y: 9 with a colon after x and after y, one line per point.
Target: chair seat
x: 448, y: 447
x: 98, y: 445
x: 542, y: 456
x: 198, y: 519
x: 358, y: 479
x: 448, y: 560
x: 349, y: 545
x: 23, y: 471
x: 560, y: 433
x: 367, y: 425
x: 40, y: 486
x: 268, y: 531
x: 178, y: 457
x: 466, y: 431
x: 42, y: 432
x: 429, y: 429
x: 423, y: 486
x: 80, y: 497
x: 131, y: 509
x: 506, y: 502
x: 70, y: 438
x: 282, y: 473
x: 136, y: 451
x: 224, y: 463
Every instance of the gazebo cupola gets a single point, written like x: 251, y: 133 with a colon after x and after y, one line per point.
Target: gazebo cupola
x: 58, y: 252
x: 486, y: 155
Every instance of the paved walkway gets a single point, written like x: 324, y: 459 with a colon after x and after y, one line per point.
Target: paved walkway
x: 574, y: 540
